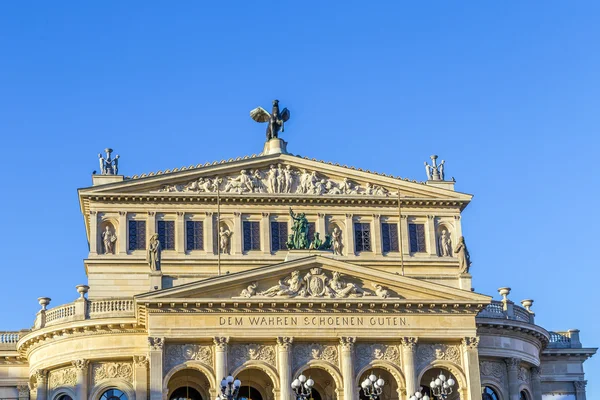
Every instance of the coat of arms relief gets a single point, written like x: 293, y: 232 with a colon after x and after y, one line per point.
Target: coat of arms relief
x: 316, y: 283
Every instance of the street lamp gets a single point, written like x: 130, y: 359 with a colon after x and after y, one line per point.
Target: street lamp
x: 302, y: 387
x: 440, y: 387
x: 230, y: 388
x: 372, y: 387
x: 419, y: 396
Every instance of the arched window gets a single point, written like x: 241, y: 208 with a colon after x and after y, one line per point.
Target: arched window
x: 489, y: 394
x: 113, y: 394
x: 523, y: 395
x: 186, y: 393
x: 64, y: 397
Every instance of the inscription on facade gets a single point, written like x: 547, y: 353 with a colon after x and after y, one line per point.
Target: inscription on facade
x: 314, y: 321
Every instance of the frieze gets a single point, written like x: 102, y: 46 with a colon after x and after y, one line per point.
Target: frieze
x: 112, y: 370
x: 303, y: 353
x: 241, y: 353
x: 494, y: 370
x: 65, y: 377
x: 426, y: 353
x: 279, y: 178
x: 176, y: 354
x: 367, y: 353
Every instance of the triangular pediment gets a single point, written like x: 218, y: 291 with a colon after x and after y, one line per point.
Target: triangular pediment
x: 275, y: 175
x: 315, y: 278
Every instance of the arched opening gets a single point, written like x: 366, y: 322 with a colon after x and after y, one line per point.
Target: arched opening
x: 433, y: 375
x: 325, y: 387
x: 113, y: 394
x: 64, y: 397
x: 390, y: 387
x: 256, y: 385
x: 489, y: 394
x: 185, y: 393
x: 523, y: 395
x: 188, y: 384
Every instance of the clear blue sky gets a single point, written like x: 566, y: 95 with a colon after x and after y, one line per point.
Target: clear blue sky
x: 505, y: 92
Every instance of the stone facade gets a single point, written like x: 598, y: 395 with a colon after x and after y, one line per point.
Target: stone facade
x: 392, y: 299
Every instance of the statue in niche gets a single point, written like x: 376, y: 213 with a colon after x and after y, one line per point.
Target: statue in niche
x: 336, y: 241
x: 153, y: 253
x: 298, y: 240
x: 445, y: 244
x: 464, y: 259
x: 224, y: 235
x: 109, y: 239
x: 276, y: 119
x: 108, y: 166
x: 292, y: 286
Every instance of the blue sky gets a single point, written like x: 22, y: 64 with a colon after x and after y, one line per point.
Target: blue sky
x: 505, y: 92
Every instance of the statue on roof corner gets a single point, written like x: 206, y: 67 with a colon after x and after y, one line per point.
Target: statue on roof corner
x: 109, y: 166
x: 435, y: 172
x: 276, y: 119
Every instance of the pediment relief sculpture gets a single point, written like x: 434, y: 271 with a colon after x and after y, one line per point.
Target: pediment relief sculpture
x: 279, y: 178
x: 316, y: 283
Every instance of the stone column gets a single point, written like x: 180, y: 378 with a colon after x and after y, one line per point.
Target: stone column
x: 284, y: 347
x: 81, y: 389
x: 471, y: 362
x: 180, y: 233
x: 512, y: 365
x: 431, y: 239
x: 209, y: 229
x: 580, y: 390
x: 265, y: 233
x: 41, y: 382
x: 348, y: 240
x: 409, y: 348
x: 221, y: 370
x: 320, y: 226
x: 156, y: 367
x: 140, y: 376
x: 347, y: 344
x: 23, y: 392
x: 122, y: 234
x: 376, y: 236
x: 93, y: 232
x: 536, y: 383
x: 238, y: 237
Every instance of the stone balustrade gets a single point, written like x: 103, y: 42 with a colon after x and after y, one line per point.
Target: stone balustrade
x: 565, y: 340
x: 8, y: 340
x: 497, y: 309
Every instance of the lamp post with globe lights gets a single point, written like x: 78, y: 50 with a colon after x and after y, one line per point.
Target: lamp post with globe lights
x: 419, y: 396
x: 230, y: 388
x: 372, y: 387
x: 302, y: 387
x: 441, y: 386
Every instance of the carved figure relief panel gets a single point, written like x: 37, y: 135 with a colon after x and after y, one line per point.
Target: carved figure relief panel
x: 367, y: 353
x: 426, y: 353
x: 303, y: 353
x: 65, y: 377
x: 241, y: 353
x: 524, y: 375
x: 494, y: 370
x: 111, y: 370
x: 176, y: 354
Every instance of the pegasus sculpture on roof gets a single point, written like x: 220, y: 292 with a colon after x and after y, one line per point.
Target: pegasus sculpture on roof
x: 276, y: 119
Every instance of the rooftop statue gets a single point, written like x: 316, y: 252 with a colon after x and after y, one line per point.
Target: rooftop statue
x: 109, y: 166
x: 298, y: 240
x: 435, y: 172
x: 275, y: 119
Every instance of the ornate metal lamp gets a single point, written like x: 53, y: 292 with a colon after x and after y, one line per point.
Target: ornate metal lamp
x: 442, y: 387
x: 419, y: 396
x: 230, y: 388
x: 372, y: 387
x: 302, y: 387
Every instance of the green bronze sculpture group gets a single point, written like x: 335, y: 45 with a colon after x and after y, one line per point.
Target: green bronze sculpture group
x: 299, y: 240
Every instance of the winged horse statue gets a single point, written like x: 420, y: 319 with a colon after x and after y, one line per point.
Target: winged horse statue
x: 276, y: 119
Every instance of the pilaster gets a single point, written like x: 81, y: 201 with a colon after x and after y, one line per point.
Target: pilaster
x: 122, y: 234
x: 94, y: 233
x: 471, y: 362
x: 349, y: 236
x: 320, y: 225
x: 82, y: 368
x: 41, y: 382
x: 409, y: 348
x: 140, y: 376
x: 512, y: 365
x: 221, y: 344
x: 237, y: 242
x: 580, y: 390
x: 23, y: 391
x: 432, y: 243
x: 180, y: 233
x: 265, y: 233
x: 150, y: 225
x: 347, y: 345
x: 377, y: 234
x: 209, y: 236
x: 536, y: 383
x: 284, y: 347
x: 403, y: 226
x: 156, y: 367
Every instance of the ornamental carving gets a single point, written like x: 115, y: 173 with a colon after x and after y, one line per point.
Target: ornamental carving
x: 279, y: 179
x: 470, y: 342
x: 409, y: 343
x: 80, y: 364
x: 367, y: 353
x: 305, y: 352
x: 241, y: 353
x: 580, y: 385
x: 62, y: 378
x: 156, y: 343
x: 221, y: 342
x: 285, y: 342
x: 316, y: 283
x: 426, y: 353
x: 493, y: 369
x: 176, y: 354
x: 140, y: 361
x: 347, y: 342
x: 524, y: 375
x: 112, y: 370
x: 23, y: 391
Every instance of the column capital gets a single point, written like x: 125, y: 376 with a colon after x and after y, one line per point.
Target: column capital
x: 580, y: 386
x: 512, y: 363
x: 221, y: 342
x: 140, y: 361
x: 536, y: 372
x: 347, y: 342
x: 23, y: 390
x: 156, y: 343
x: 80, y: 364
x: 285, y: 342
x: 470, y: 343
x: 40, y: 376
x: 409, y: 343
x: 122, y: 213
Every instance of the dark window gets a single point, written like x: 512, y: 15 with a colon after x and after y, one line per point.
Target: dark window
x: 64, y: 397
x: 417, y: 238
x: 186, y: 392
x: 166, y: 234
x: 489, y: 394
x: 389, y: 236
x: 523, y: 395
x: 278, y: 236
x: 137, y: 235
x: 113, y: 394
x: 311, y: 232
x: 251, y: 235
x: 362, y: 236
x: 194, y: 231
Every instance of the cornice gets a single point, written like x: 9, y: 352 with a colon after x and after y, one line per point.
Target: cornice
x: 507, y: 327
x: 583, y: 353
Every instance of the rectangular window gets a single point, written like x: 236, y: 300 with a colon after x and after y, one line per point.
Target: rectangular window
x: 389, y: 237
x: 251, y: 235
x: 166, y: 235
x: 279, y: 234
x: 417, y: 238
x: 194, y: 231
x: 137, y: 235
x: 311, y: 232
x: 362, y: 236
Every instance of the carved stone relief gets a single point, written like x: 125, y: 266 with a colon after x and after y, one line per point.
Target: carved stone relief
x: 176, y: 354
x: 65, y: 377
x: 279, y: 179
x: 241, y: 353
x: 524, y: 375
x: 111, y: 370
x: 494, y: 370
x: 367, y: 353
x: 303, y: 353
x: 426, y: 353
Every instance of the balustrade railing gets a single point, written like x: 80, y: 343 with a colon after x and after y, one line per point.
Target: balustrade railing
x: 111, y: 306
x: 496, y: 309
x: 9, y: 337
x: 58, y: 313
